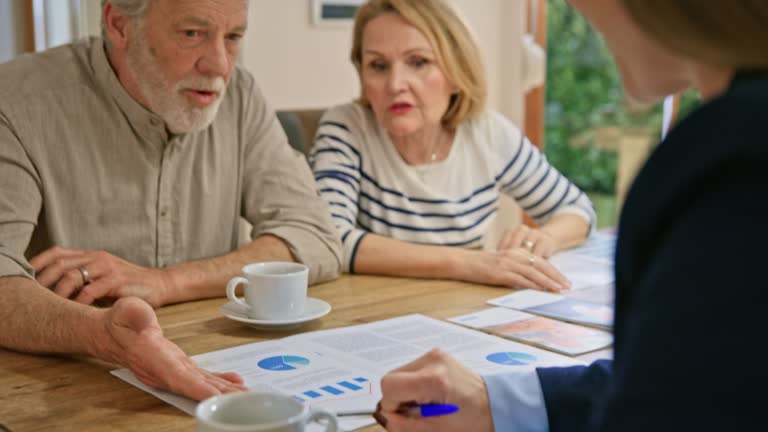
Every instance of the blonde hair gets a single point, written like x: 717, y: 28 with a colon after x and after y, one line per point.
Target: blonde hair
x: 732, y: 34
x: 455, y: 50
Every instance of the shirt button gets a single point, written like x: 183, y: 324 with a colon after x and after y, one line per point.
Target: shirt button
x: 154, y: 122
x: 164, y: 212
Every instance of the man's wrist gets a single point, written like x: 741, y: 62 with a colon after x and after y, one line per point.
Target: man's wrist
x: 98, y: 339
x: 170, y: 282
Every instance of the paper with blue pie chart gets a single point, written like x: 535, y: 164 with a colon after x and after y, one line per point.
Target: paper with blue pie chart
x: 283, y: 363
x: 511, y: 358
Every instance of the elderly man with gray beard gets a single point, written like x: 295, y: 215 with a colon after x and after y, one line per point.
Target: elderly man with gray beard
x: 126, y: 164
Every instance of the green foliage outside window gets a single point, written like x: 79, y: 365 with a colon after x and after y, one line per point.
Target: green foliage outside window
x: 585, y: 100
x: 583, y: 94
x: 583, y: 91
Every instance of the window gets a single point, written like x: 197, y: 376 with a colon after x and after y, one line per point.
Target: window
x: 36, y: 25
x: 590, y: 136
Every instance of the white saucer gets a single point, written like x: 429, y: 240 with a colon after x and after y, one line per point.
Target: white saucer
x: 313, y: 309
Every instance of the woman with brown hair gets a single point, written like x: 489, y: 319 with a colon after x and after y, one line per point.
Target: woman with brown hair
x: 413, y: 170
x: 691, y: 290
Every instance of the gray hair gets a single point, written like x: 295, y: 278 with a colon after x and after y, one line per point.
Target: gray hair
x: 131, y: 8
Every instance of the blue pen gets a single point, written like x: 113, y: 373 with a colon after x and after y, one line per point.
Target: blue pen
x: 430, y: 409
x: 413, y: 410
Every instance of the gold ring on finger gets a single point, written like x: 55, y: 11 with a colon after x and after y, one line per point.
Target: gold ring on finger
x: 528, y: 244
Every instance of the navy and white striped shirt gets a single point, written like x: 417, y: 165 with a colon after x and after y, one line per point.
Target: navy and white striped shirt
x: 369, y: 188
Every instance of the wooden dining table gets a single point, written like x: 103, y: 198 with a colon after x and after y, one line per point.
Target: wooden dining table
x: 54, y: 393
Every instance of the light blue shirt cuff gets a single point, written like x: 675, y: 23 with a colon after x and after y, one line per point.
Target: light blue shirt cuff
x: 517, y: 402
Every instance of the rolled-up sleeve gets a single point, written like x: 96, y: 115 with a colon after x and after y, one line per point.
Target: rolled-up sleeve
x: 280, y: 197
x: 20, y: 202
x: 337, y: 166
x: 13, y: 263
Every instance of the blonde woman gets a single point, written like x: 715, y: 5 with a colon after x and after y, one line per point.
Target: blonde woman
x: 413, y: 170
x: 690, y: 285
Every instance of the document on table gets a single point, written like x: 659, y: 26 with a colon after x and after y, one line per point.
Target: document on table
x: 583, y: 271
x: 590, y: 268
x: 599, y: 245
x: 340, y: 369
x: 558, y: 307
x: 591, y: 279
x: 547, y: 333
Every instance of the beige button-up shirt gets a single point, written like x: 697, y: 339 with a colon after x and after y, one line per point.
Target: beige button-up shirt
x: 83, y: 165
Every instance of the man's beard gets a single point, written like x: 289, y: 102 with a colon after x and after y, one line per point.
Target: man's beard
x: 166, y: 98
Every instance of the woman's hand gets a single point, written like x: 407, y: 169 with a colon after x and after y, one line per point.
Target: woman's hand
x: 537, y: 241
x: 435, y: 377
x: 518, y: 268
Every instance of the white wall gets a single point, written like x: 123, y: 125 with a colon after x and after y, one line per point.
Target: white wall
x: 297, y: 64
x: 300, y: 65
x: 498, y: 27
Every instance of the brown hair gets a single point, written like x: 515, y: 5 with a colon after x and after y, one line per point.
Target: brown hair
x: 731, y: 33
x: 455, y: 50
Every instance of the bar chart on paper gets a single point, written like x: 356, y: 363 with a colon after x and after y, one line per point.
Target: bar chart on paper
x: 349, y: 387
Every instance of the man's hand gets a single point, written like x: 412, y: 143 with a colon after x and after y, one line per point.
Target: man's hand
x: 65, y: 271
x: 435, y: 377
x: 134, y: 339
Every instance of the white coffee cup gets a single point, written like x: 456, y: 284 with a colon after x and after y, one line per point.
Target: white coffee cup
x: 258, y: 412
x: 273, y: 290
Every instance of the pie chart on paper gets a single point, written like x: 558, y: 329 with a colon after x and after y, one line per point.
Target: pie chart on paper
x: 511, y: 358
x: 283, y: 363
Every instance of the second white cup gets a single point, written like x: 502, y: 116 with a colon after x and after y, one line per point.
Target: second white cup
x: 259, y: 412
x: 273, y: 290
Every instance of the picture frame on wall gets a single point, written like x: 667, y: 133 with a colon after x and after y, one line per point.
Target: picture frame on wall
x: 334, y: 12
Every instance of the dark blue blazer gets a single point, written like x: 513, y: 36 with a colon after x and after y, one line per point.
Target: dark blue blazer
x: 691, y: 324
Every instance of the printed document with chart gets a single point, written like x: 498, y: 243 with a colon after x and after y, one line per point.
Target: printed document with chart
x: 558, y: 307
x: 554, y: 335
x: 340, y: 369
